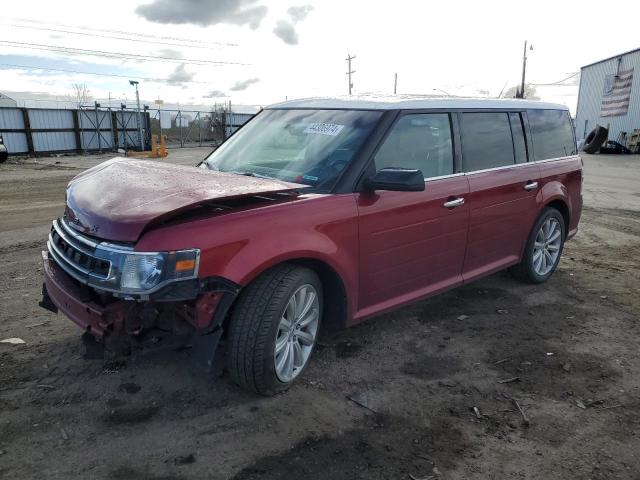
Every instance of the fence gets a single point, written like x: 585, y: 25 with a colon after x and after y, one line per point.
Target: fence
x: 37, y: 131
x: 186, y: 128
x: 41, y: 131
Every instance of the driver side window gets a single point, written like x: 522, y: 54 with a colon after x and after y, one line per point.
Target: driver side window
x: 421, y: 141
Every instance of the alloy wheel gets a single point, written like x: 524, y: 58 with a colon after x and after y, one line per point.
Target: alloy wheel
x: 546, y: 248
x: 297, y: 332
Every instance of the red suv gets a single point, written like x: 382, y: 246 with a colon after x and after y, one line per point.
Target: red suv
x: 321, y: 211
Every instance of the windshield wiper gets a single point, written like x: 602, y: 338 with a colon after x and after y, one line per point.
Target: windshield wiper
x: 251, y: 174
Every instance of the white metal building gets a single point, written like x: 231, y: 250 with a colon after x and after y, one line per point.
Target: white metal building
x: 609, y: 95
x: 6, y: 101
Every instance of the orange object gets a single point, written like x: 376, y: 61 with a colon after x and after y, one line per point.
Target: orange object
x: 157, y: 151
x: 185, y: 265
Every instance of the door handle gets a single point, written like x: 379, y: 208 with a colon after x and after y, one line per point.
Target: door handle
x: 531, y: 185
x: 456, y: 202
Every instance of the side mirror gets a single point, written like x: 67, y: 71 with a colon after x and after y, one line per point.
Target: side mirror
x: 396, y: 180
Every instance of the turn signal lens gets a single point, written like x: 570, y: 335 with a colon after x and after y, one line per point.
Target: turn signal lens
x: 185, y: 265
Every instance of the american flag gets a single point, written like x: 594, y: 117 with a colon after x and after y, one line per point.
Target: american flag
x: 617, y: 90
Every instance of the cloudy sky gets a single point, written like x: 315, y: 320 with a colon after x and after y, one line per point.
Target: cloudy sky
x: 256, y: 52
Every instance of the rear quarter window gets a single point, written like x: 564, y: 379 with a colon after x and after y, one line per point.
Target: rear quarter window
x: 551, y: 133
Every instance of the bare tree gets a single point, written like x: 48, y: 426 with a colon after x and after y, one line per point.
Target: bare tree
x: 529, y: 92
x: 81, y: 93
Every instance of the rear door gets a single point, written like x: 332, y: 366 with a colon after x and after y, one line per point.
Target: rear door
x: 412, y: 243
x: 503, y: 188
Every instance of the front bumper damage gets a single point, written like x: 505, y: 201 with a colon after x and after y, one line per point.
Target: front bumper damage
x: 191, y: 315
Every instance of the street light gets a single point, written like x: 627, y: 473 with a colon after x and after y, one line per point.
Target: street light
x: 443, y: 91
x: 134, y: 83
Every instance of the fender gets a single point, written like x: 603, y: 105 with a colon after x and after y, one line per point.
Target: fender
x: 552, y: 191
x: 238, y: 246
x: 562, y: 181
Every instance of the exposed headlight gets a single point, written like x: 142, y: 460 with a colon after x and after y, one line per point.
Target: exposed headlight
x: 144, y: 272
x: 141, y: 272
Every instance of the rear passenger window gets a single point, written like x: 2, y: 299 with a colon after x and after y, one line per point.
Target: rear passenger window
x: 420, y: 141
x: 486, y: 141
x: 517, y: 131
x: 551, y: 133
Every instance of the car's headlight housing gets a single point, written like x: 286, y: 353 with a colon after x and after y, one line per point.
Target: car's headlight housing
x: 141, y: 272
x: 134, y: 272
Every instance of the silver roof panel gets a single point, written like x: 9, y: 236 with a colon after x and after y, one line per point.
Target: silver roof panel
x: 408, y: 102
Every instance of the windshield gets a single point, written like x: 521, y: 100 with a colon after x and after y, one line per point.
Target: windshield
x: 311, y: 147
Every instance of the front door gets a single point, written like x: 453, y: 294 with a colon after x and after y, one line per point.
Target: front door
x: 412, y: 244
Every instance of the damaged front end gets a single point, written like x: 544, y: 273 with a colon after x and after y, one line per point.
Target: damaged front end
x: 135, y: 301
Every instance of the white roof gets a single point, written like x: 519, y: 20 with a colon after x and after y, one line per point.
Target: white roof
x: 407, y: 102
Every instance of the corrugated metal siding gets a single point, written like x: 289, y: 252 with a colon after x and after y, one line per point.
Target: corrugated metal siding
x: 590, y: 97
x: 53, y: 141
x: 90, y: 140
x: 51, y: 119
x: 127, y: 120
x: 133, y: 138
x: 88, y: 119
x: 11, y: 118
x: 236, y: 120
x: 15, y: 142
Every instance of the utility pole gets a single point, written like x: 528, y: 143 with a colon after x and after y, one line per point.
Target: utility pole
x: 395, y: 83
x: 135, y: 84
x: 520, y: 93
x: 349, y: 71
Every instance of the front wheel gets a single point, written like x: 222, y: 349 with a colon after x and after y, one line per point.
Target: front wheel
x: 543, y: 249
x: 274, y: 328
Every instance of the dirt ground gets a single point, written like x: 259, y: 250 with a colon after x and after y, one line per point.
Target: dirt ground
x: 430, y: 382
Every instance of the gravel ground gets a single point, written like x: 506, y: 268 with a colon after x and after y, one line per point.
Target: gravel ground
x: 421, y: 393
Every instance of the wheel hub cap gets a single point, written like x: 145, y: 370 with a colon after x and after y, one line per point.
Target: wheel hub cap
x: 297, y: 332
x: 546, y: 248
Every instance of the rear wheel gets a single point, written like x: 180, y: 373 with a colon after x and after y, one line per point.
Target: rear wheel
x: 543, y: 249
x: 274, y: 329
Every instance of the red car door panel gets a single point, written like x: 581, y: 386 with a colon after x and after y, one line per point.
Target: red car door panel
x: 410, y: 244
x: 503, y: 207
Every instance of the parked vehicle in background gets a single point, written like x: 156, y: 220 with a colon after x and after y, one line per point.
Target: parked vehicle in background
x: 316, y: 212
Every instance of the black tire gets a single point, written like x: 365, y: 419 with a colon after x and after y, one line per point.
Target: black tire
x: 525, y: 270
x: 595, y: 139
x: 254, y: 326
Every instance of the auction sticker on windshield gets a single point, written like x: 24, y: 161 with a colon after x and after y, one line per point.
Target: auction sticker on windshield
x: 332, y: 129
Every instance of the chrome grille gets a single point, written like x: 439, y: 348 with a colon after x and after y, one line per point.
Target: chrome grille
x: 75, y: 253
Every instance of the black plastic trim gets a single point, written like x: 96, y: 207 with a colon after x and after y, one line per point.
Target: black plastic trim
x: 350, y: 178
x: 190, y: 289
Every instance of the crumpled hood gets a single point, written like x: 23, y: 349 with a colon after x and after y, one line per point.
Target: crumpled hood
x: 117, y: 199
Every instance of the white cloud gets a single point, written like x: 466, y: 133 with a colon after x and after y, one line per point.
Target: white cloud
x: 180, y: 75
x: 244, y: 84
x: 299, y: 13
x: 286, y: 29
x: 204, y: 12
x: 215, y: 94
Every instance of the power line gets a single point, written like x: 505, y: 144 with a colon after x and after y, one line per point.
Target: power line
x: 558, y: 82
x: 114, y: 37
x: 146, y: 79
x: 101, y: 53
x: 120, y: 32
